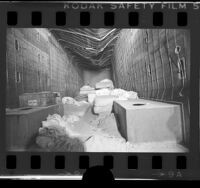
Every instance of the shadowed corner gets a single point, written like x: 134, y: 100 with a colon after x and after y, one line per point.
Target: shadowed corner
x: 98, y: 175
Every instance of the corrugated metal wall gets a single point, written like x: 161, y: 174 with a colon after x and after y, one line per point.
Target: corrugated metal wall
x: 36, y: 62
x: 145, y: 61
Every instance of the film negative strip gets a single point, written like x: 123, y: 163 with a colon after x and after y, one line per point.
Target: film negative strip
x: 107, y: 84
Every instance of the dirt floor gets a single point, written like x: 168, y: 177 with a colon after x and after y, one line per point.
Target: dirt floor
x: 104, y: 136
x: 101, y: 135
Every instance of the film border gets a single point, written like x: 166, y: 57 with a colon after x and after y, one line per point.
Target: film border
x: 120, y: 159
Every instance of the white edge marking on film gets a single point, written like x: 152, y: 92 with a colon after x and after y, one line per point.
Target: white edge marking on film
x: 41, y: 177
x: 37, y: 177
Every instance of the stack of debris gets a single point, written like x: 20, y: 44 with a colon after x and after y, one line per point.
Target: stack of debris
x: 67, y: 133
x: 103, y: 95
x: 106, y: 94
x: 104, y: 88
x: 84, y: 92
x: 73, y: 107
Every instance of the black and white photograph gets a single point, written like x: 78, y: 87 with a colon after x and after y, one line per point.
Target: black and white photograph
x: 97, y: 90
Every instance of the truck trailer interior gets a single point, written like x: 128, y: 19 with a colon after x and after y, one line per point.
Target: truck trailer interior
x: 97, y: 90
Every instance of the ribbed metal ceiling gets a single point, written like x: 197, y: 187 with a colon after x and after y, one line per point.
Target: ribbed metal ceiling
x: 92, y: 48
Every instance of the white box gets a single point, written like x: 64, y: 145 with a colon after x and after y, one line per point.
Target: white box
x: 149, y: 121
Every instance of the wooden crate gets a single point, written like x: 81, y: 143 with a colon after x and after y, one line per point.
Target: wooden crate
x: 22, y: 125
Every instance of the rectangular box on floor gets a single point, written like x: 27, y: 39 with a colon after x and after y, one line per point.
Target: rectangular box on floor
x: 22, y: 124
x: 149, y: 121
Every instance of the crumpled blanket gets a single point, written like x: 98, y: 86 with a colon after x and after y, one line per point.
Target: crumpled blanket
x: 73, y: 107
x: 71, y: 118
x: 56, y: 134
x: 53, y: 120
x: 54, y: 138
